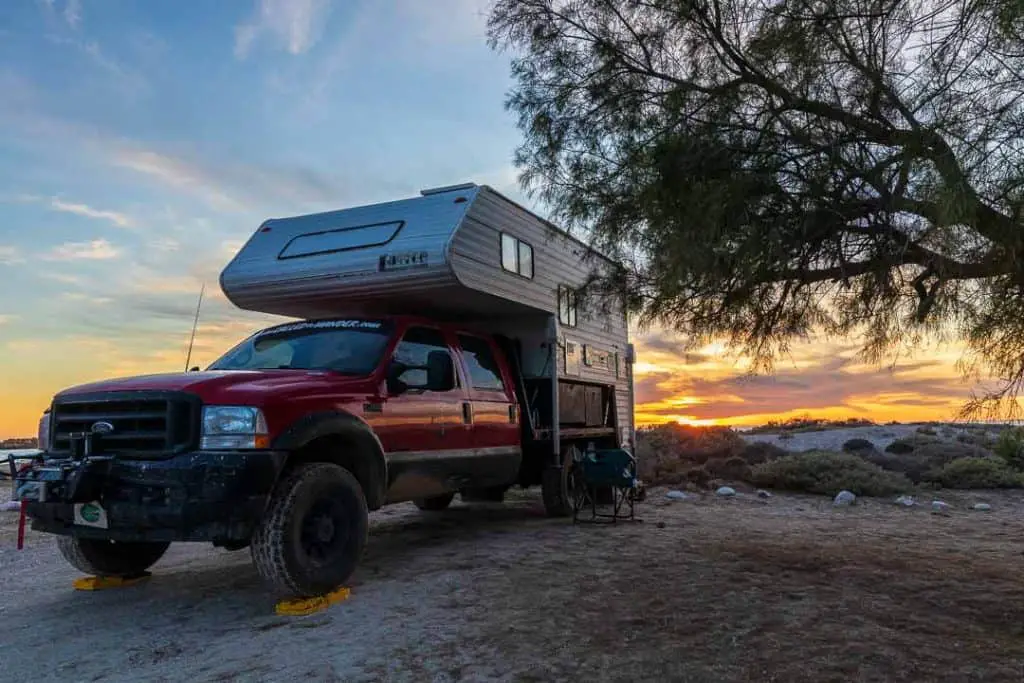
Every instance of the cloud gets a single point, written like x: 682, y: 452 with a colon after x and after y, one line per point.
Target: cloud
x: 295, y: 25
x: 119, y: 219
x: 10, y: 255
x: 73, y: 13
x: 81, y: 297
x: 230, y: 186
x: 94, y: 250
x: 5, y: 319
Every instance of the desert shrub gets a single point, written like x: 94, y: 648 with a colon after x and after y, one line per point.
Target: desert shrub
x: 785, y: 436
x: 927, y: 430
x: 900, y: 446
x: 854, y: 445
x: 734, y: 469
x: 917, y: 464
x: 762, y: 451
x: 665, y: 453
x: 977, y: 473
x: 698, y: 476
x: 1010, y: 447
x: 977, y: 437
x: 829, y: 473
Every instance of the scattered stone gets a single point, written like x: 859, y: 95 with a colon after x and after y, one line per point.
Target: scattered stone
x: 940, y: 507
x: 726, y: 491
x: 676, y: 495
x: 982, y: 507
x: 844, y: 498
x: 761, y: 493
x: 906, y: 501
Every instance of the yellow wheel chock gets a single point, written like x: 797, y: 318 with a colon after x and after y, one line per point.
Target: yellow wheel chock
x: 300, y: 607
x: 99, y: 583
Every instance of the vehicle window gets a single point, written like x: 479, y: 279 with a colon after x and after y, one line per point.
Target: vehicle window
x: 344, y: 346
x: 415, y: 348
x: 516, y: 255
x: 484, y: 372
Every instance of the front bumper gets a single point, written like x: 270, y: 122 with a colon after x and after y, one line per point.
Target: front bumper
x: 216, y: 496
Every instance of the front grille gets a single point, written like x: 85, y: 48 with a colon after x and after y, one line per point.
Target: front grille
x: 145, y: 423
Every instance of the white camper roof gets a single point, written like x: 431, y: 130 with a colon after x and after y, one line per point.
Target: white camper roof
x: 436, y: 254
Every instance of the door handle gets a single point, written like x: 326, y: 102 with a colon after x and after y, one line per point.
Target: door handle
x: 467, y: 412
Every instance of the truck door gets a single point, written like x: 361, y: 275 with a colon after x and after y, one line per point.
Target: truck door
x: 496, y: 435
x: 425, y: 428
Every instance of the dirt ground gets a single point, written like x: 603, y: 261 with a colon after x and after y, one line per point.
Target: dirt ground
x: 706, y: 589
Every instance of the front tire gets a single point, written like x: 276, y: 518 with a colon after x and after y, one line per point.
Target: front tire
x: 100, y: 557
x: 313, y: 532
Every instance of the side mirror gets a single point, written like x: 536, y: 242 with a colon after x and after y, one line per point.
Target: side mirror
x: 194, y: 368
x: 440, y: 371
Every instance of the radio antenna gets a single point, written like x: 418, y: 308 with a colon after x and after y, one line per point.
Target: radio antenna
x: 195, y: 323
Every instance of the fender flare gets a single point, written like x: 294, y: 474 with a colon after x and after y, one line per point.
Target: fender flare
x: 370, y: 452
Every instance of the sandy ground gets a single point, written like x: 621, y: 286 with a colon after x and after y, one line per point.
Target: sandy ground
x: 706, y: 589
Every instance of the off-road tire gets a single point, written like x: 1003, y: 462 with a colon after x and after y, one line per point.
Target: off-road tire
x: 278, y: 547
x: 436, y: 503
x: 555, y: 486
x: 100, y: 557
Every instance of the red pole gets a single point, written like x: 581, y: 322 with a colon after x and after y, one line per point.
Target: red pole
x: 21, y: 525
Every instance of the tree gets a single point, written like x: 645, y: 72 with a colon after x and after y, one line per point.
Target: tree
x: 765, y: 169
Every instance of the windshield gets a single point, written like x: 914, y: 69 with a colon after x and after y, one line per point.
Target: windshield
x: 351, y: 347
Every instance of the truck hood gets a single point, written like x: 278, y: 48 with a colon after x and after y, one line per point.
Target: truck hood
x: 247, y: 387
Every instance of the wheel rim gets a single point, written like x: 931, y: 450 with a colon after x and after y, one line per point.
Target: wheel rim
x: 324, y: 533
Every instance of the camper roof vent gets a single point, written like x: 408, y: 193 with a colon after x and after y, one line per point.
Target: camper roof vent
x: 447, y: 188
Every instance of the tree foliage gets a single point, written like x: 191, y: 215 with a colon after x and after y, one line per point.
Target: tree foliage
x: 765, y: 169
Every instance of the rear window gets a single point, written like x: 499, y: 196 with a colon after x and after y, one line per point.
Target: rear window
x: 484, y: 372
x: 342, y: 239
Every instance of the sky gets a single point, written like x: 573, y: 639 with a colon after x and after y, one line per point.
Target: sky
x: 141, y: 141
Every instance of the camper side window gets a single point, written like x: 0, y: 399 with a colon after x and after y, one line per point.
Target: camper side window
x: 516, y: 256
x: 566, y: 306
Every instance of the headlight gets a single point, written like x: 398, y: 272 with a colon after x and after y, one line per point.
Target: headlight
x: 43, y: 436
x: 231, y: 427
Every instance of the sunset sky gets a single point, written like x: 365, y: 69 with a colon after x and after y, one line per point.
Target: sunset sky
x: 141, y: 141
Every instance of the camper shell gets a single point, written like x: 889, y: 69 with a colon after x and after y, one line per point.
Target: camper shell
x: 462, y: 253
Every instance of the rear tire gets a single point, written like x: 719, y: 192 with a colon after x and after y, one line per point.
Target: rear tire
x: 557, y: 485
x: 436, y: 503
x: 313, y: 532
x: 100, y: 557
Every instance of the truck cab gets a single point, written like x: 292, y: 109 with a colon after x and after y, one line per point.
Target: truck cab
x: 431, y: 353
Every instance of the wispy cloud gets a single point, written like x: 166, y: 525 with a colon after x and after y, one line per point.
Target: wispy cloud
x: 81, y: 297
x: 94, y: 250
x: 295, y: 25
x: 231, y: 186
x: 5, y: 319
x: 10, y: 255
x: 116, y: 218
x: 73, y: 13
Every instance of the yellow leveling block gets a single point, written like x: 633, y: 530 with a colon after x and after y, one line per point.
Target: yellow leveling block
x: 300, y: 607
x: 99, y: 583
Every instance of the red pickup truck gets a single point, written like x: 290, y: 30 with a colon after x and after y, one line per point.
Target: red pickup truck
x: 288, y: 440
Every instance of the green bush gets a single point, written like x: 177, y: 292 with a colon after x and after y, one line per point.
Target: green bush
x: 734, y: 469
x: 1010, y: 447
x: 977, y: 473
x: 762, y: 451
x: 858, y: 444
x: 919, y: 463
x: 828, y: 473
x: 927, y: 430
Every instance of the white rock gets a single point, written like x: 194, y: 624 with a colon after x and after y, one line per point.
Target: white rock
x: 761, y: 493
x: 982, y: 507
x: 906, y: 501
x: 844, y: 498
x: 940, y: 507
x: 726, y: 492
x: 676, y: 495
x: 10, y: 506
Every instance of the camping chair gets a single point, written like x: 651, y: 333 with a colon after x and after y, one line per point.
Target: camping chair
x: 613, y: 470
